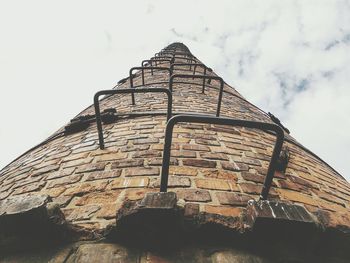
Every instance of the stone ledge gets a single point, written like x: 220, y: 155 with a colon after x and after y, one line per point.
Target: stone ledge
x: 34, y: 220
x: 264, y: 210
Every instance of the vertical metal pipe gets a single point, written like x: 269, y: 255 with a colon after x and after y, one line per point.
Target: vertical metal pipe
x: 205, y: 73
x: 132, y: 86
x: 98, y: 121
x: 166, y: 156
x: 220, y: 98
x: 272, y: 165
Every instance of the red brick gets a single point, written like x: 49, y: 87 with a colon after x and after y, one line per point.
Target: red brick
x: 183, y: 154
x: 301, y: 181
x: 45, y: 169
x: 199, y: 163
x: 133, y: 148
x: 103, y: 175
x: 236, y: 199
x: 250, y: 188
x: 54, y: 192
x: 219, y: 174
x: 85, y: 149
x: 84, y: 188
x: 223, y: 211
x: 147, y: 153
x: 207, y: 142
x: 91, y: 167
x: 253, y: 177
x: 146, y: 141
x: 292, y: 186
x: 213, y: 184
x: 129, y: 183
x: 159, y: 161
x: 297, y: 197
x: 234, y: 166
x: 195, y: 147
x: 80, y: 156
x: 98, y: 198
x: 71, y: 179
x: 214, y: 156
x: 142, y: 171
x: 182, y: 170
x: 237, y: 146
x: 127, y: 163
x: 111, y: 157
x: 61, y: 173
x: 29, y: 188
x: 137, y: 194
x: 250, y: 161
x: 172, y: 182
x: 193, y: 195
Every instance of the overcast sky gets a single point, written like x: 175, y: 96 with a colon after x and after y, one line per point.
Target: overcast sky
x: 288, y: 57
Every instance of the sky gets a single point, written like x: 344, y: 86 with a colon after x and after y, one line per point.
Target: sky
x: 291, y: 58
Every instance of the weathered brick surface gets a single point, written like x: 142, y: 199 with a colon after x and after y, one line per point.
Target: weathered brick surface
x: 91, y: 167
x: 61, y: 173
x: 224, y: 211
x: 213, y: 184
x: 235, y: 199
x: 103, y: 175
x: 129, y: 182
x: 81, y: 213
x: 193, y: 195
x: 214, y: 169
x: 83, y: 188
x: 172, y: 182
x: 65, y: 180
x: 136, y: 194
x: 98, y: 198
x: 127, y: 163
x: 181, y: 170
x: 199, y: 163
x: 145, y: 171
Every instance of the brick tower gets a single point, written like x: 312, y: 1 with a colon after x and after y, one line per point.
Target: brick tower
x: 173, y: 165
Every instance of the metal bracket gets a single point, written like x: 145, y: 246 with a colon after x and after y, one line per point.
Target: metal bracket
x: 283, y: 160
x: 143, y: 77
x: 82, y: 122
x: 124, y: 91
x: 171, y: 81
x: 222, y: 121
x: 194, y: 70
x: 278, y: 122
x: 150, y: 62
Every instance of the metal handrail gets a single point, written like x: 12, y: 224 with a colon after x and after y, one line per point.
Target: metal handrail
x: 171, y: 81
x: 194, y: 70
x: 150, y: 61
x: 123, y: 91
x: 222, y: 121
x: 143, y: 77
x: 189, y: 61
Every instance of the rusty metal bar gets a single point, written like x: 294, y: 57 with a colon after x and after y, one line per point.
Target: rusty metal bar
x: 143, y: 77
x: 171, y: 81
x: 123, y: 91
x: 222, y: 121
x: 194, y: 70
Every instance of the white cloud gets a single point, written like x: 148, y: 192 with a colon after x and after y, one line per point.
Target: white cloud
x: 290, y: 58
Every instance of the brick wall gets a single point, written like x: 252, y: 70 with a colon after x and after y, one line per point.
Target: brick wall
x: 214, y: 169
